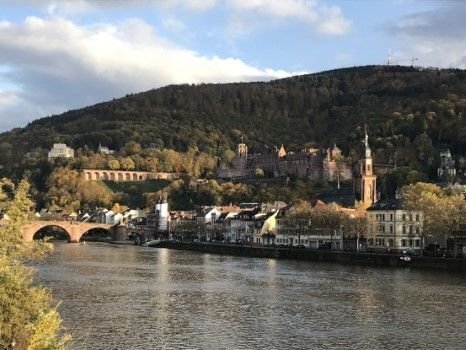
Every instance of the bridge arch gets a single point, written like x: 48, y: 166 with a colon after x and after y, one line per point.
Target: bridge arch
x: 97, y: 176
x: 120, y: 176
x: 105, y: 175
x: 96, y: 233
x: 53, y: 230
x: 127, y: 176
x: 88, y: 175
x: 135, y: 176
x: 112, y: 176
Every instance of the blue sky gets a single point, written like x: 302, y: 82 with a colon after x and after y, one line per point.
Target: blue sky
x: 57, y: 55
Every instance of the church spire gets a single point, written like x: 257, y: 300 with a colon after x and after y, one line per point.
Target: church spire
x: 365, y: 185
x: 366, y: 151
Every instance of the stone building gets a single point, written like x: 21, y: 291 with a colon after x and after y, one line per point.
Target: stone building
x: 60, y: 150
x: 313, y: 164
x: 397, y: 228
x: 446, y: 170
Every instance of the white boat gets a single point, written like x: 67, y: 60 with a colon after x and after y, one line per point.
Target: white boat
x: 151, y: 243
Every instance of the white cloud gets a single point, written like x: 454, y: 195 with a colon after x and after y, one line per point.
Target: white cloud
x: 436, y: 37
x: 328, y: 20
x: 199, y: 5
x: 173, y: 24
x: 67, y: 8
x: 59, y: 65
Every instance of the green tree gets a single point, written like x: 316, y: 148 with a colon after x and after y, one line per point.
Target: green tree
x: 259, y: 172
x: 27, y: 319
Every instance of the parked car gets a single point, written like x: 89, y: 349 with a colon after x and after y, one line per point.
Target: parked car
x: 408, y: 252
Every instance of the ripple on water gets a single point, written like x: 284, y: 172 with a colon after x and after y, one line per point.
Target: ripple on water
x: 134, y: 298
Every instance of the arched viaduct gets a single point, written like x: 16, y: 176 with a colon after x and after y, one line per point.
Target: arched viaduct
x: 122, y: 175
x: 75, y: 230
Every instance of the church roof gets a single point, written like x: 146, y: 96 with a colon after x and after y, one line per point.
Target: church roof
x: 343, y: 196
x: 387, y: 204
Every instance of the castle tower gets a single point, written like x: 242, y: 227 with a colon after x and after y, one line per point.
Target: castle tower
x: 281, y: 152
x: 242, y: 150
x: 365, y: 182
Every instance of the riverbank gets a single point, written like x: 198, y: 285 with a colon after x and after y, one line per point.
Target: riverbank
x: 371, y: 259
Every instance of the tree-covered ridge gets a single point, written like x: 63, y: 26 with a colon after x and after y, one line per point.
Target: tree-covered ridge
x: 398, y: 103
x: 411, y: 115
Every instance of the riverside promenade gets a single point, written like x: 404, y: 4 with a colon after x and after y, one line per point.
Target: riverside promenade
x: 371, y: 259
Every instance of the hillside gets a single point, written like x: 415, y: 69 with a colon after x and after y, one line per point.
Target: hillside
x: 411, y: 114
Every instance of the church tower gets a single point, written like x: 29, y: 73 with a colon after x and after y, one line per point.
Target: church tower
x: 242, y: 149
x: 365, y: 184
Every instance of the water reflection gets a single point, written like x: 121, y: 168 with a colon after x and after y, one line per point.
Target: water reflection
x: 128, y: 297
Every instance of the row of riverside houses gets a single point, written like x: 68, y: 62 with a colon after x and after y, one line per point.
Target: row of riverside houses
x: 392, y: 227
x: 395, y: 230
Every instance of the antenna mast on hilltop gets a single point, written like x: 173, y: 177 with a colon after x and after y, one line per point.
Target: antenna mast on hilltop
x: 389, y: 59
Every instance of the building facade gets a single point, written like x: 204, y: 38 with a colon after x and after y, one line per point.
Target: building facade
x: 365, y: 181
x: 313, y: 164
x: 60, y: 150
x: 396, y: 228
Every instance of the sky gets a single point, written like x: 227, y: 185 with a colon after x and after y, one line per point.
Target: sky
x: 57, y: 55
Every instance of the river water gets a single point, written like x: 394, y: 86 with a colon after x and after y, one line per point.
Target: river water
x: 129, y: 297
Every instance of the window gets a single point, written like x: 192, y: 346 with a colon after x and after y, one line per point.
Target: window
x: 404, y: 229
x: 391, y: 217
x: 403, y: 217
x: 371, y: 241
x: 391, y: 228
x: 417, y: 217
x: 403, y: 242
x: 390, y: 242
x: 417, y: 243
x: 417, y: 230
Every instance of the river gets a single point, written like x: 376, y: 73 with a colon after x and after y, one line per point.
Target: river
x: 129, y: 297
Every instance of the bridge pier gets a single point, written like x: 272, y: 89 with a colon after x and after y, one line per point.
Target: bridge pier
x: 119, y: 233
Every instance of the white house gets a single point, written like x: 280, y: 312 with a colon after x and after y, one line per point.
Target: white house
x: 207, y: 215
x: 61, y: 150
x: 302, y: 233
x: 397, y: 228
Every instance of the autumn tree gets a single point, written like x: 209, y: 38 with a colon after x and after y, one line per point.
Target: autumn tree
x: 443, y: 211
x: 27, y: 318
x: 359, y: 225
x: 68, y: 190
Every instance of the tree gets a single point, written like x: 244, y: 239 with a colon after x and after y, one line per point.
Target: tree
x: 442, y: 212
x: 113, y: 164
x: 359, y: 225
x: 127, y: 163
x: 68, y: 190
x: 27, y: 320
x: 298, y: 221
x: 259, y: 172
x: 64, y: 189
x: 329, y: 218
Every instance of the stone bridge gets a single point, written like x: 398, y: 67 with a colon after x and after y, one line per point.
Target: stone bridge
x: 74, y: 229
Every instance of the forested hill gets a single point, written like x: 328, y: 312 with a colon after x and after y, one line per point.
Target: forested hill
x: 410, y: 113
